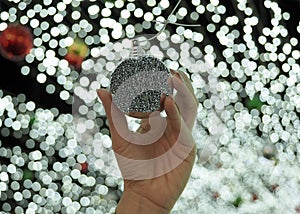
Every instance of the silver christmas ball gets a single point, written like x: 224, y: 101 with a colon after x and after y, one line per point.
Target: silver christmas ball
x: 138, y: 84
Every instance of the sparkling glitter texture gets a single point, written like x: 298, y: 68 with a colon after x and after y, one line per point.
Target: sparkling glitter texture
x: 138, y: 83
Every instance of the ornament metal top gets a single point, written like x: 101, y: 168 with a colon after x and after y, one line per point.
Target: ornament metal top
x: 139, y: 82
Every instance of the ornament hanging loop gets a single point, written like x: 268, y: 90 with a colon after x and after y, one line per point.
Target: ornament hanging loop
x: 165, y: 23
x: 136, y: 49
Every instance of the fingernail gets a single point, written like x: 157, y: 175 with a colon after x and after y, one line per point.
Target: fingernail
x: 174, y: 72
x: 99, y: 93
x: 180, y: 75
x: 177, y: 74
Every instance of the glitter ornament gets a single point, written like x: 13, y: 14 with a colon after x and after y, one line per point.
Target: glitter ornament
x: 139, y: 82
x: 16, y: 41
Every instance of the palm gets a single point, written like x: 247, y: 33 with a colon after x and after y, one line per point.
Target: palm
x: 170, y: 184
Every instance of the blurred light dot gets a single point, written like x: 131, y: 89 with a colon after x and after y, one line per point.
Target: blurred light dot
x: 138, y: 13
x: 148, y: 17
x: 25, y: 70
x: 216, y: 18
x: 106, y: 12
x: 119, y: 3
x: 211, y: 27
x: 164, y: 4
x: 130, y: 6
x: 125, y: 14
x: 286, y: 15
x: 194, y: 16
x: 200, y: 9
x: 18, y: 196
x: 103, y: 190
x: 182, y: 11
x: 85, y: 201
x: 64, y: 95
x: 196, y: 2
x: 156, y: 11
x: 41, y: 78
x: 30, y: 106
x: 151, y: 3
x: 50, y: 88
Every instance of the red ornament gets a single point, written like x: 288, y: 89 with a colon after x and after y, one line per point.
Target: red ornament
x: 254, y: 197
x: 84, y: 167
x: 274, y: 187
x: 74, y: 60
x: 76, y: 53
x: 16, y: 41
x: 215, y: 195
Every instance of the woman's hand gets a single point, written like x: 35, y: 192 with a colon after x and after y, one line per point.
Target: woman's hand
x: 155, y: 173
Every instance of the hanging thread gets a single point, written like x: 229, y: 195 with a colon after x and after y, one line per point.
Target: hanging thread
x: 136, y: 42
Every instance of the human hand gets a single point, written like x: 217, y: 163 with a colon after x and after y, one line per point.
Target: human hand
x: 153, y: 184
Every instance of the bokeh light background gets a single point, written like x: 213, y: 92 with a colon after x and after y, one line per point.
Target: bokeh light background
x: 243, y: 62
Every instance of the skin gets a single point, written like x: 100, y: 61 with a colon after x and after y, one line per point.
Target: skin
x: 159, y: 194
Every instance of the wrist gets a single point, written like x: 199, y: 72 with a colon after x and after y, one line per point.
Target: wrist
x: 133, y: 203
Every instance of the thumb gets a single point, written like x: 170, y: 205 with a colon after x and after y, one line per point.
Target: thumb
x: 106, y: 98
x: 116, y: 119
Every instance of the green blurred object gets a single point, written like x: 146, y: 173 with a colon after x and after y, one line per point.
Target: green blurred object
x: 254, y: 103
x: 237, y: 202
x: 27, y: 174
x: 31, y: 121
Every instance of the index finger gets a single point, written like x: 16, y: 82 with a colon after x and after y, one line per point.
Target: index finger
x: 186, y: 102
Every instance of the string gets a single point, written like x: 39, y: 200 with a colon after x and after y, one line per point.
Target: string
x: 179, y: 24
x: 166, y: 22
x: 159, y: 32
x: 174, y: 9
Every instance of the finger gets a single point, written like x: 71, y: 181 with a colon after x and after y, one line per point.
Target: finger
x: 173, y: 72
x: 188, y: 83
x: 154, y: 127
x: 106, y: 99
x: 117, y: 120
x: 185, y: 79
x: 161, y: 102
x: 185, y: 101
x: 144, y: 126
x: 173, y: 115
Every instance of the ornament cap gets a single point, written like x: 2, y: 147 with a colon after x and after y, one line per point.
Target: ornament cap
x: 136, y: 49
